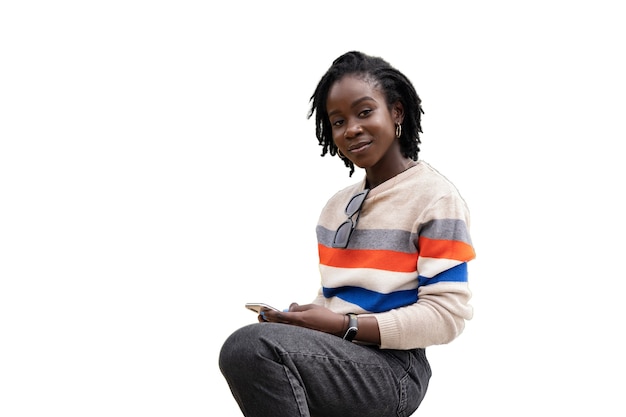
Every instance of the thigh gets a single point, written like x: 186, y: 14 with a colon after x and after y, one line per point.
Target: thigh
x: 341, y: 378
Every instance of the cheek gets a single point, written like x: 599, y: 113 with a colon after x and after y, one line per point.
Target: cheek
x: 338, y: 137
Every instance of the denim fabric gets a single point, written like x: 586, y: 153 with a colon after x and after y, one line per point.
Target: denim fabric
x: 276, y: 370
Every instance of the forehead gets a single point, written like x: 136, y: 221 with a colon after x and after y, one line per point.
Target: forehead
x: 350, y: 88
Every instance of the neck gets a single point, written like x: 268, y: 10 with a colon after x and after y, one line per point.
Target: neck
x: 374, y: 179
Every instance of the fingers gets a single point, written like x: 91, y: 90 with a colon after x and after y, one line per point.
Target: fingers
x: 270, y: 316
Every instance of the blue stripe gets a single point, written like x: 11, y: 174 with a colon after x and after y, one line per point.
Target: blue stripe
x: 372, y: 301
x: 455, y: 274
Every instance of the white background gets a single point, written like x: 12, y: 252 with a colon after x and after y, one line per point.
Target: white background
x: 157, y: 171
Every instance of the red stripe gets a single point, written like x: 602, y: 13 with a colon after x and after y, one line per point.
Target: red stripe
x: 446, y: 249
x: 367, y: 258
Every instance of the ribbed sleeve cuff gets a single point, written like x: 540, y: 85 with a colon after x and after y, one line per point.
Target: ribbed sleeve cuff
x: 389, y: 332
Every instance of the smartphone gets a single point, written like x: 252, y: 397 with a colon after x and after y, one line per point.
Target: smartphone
x: 258, y: 307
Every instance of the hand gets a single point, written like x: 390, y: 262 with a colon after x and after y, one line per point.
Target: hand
x: 310, y: 316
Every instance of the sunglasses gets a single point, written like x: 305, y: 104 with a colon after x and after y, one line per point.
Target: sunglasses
x: 344, y: 231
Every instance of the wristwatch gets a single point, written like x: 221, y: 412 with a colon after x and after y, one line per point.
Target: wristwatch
x: 353, y: 327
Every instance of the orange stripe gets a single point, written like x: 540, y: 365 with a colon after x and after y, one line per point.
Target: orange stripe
x: 366, y: 258
x: 446, y: 249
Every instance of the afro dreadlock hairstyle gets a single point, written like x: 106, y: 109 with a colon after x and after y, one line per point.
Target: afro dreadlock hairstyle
x: 395, y: 87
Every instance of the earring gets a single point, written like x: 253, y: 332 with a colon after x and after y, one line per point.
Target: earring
x: 398, y: 130
x: 342, y: 156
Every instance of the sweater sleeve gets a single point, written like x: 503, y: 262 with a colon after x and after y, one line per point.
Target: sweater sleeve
x: 437, y: 318
x: 442, y: 308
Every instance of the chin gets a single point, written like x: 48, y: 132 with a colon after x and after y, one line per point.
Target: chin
x: 362, y: 163
x: 362, y: 166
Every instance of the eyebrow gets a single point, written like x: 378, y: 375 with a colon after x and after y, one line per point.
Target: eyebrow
x: 354, y: 104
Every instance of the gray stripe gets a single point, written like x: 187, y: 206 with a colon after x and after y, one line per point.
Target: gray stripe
x: 400, y: 240
x: 446, y: 229
x: 381, y: 239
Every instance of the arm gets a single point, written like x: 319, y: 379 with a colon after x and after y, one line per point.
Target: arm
x: 444, y: 249
x: 320, y: 318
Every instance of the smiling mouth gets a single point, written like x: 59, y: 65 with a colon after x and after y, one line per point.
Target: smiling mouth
x: 356, y: 148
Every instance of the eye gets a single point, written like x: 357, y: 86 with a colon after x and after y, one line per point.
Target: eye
x: 337, y: 122
x: 365, y: 113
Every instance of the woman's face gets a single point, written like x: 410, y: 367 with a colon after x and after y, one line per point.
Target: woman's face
x: 363, y: 128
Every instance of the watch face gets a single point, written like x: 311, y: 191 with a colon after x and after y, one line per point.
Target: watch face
x: 350, y: 334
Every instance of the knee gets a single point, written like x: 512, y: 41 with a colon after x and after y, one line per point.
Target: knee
x: 238, y: 348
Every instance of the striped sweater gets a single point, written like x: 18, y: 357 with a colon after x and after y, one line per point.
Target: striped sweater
x: 406, y: 262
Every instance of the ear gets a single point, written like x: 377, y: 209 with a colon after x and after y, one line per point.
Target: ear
x: 397, y: 112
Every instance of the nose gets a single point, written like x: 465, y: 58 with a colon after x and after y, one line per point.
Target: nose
x: 352, y: 130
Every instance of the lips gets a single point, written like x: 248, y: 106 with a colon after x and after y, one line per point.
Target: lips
x: 358, y: 147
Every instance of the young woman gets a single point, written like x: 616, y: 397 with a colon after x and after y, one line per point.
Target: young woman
x: 393, y: 252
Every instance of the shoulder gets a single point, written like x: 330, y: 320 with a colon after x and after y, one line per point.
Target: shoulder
x: 342, y: 196
x: 421, y: 182
x: 431, y: 183
x: 429, y: 174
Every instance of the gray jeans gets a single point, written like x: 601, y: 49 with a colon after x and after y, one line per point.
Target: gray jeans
x: 276, y: 370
